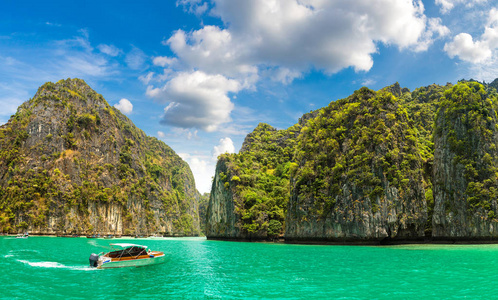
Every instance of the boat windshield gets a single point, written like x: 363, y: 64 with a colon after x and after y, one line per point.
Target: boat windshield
x: 128, y: 252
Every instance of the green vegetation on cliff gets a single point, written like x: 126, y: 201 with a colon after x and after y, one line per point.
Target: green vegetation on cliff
x: 364, y: 167
x: 259, y: 179
x: 470, y: 121
x: 69, y: 162
x: 364, y: 140
x: 466, y: 136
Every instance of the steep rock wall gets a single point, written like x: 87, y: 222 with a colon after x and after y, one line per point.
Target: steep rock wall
x: 359, y: 177
x: 466, y: 165
x: 71, y: 163
x: 221, y: 216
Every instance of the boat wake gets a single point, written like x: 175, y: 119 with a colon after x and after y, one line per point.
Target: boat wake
x: 54, y: 265
x: 23, y: 251
x: 14, y: 253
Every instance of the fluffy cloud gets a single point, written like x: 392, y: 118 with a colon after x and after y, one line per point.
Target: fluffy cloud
x: 490, y: 35
x: 466, y: 49
x: 299, y: 35
x: 203, y: 166
x: 276, y: 39
x: 196, y: 99
x: 213, y: 51
x: 124, y: 106
x: 225, y: 146
x: 482, y: 50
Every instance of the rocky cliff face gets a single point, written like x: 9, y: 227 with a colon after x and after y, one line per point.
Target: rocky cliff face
x: 71, y: 163
x: 381, y: 166
x: 466, y: 164
x: 360, y: 174
x: 222, y: 220
x: 251, y: 189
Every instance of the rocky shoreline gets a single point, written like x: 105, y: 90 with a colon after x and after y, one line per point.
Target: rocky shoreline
x: 369, y: 242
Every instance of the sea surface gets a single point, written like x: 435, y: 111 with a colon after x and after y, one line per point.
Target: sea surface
x: 195, y: 268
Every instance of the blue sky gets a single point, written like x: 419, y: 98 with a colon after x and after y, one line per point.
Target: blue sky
x: 200, y: 75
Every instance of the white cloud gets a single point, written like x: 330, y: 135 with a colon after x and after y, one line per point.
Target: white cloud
x: 163, y: 61
x: 9, y: 105
x: 84, y: 64
x: 368, y: 82
x: 479, y: 51
x: 280, y: 40
x: 203, y: 166
x: 285, y: 75
x: 466, y: 49
x: 203, y: 169
x: 80, y: 42
x: 435, y: 30
x: 193, y: 6
x: 73, y: 57
x: 25, y: 69
x: 124, y: 106
x: 212, y: 50
x: 485, y: 71
x: 196, y: 99
x: 110, y: 50
x: 225, y: 146
x: 326, y: 35
x: 13, y: 95
x: 185, y: 133
x: 447, y: 5
x: 179, y: 134
x: 146, y: 79
x: 299, y: 35
x: 490, y: 35
x: 493, y: 17
x: 135, y: 59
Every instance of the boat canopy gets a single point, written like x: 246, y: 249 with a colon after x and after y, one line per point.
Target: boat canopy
x: 125, y: 245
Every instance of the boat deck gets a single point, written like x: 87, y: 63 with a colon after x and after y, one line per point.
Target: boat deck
x: 144, y: 256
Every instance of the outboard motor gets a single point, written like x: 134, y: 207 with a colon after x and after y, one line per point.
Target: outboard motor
x: 94, y: 260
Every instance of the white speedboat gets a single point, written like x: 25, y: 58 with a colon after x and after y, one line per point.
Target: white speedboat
x: 22, y: 236
x: 126, y: 255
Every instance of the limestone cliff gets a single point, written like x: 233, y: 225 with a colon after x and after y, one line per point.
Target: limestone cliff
x: 466, y: 164
x: 221, y: 215
x: 71, y: 163
x: 351, y: 172
x: 385, y: 166
x: 251, y: 189
x: 359, y: 174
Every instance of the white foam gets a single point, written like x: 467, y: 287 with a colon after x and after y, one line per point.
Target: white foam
x: 54, y: 265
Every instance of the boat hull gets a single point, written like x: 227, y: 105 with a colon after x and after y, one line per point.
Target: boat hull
x: 132, y: 262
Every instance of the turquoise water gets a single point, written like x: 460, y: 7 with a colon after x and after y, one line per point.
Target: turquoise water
x: 56, y: 268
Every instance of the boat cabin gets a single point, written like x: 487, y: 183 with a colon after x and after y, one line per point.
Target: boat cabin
x: 129, y: 250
